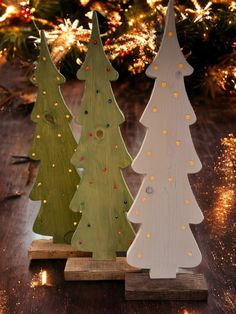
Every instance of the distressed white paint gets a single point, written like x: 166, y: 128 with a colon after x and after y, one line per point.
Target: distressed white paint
x: 165, y: 204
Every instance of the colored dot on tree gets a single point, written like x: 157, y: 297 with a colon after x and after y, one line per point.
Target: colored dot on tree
x: 95, y: 42
x: 108, y: 69
x: 82, y: 158
x: 115, y: 187
x: 104, y: 170
x: 87, y: 68
x: 86, y: 112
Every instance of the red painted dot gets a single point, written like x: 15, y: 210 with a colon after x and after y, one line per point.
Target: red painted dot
x: 90, y: 134
x: 87, y: 68
x: 115, y: 187
x: 104, y: 170
x: 82, y: 158
x: 80, y: 242
x: 108, y: 69
x: 95, y: 42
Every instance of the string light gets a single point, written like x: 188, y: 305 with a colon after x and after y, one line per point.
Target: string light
x: 200, y: 12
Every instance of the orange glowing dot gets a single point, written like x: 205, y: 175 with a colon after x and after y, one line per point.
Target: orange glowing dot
x: 163, y: 84
x: 149, y: 153
x: 170, y: 179
x: 156, y: 67
x: 154, y: 109
x: 170, y: 34
x: 176, y: 94
x: 181, y: 66
x: 139, y: 255
x: 178, y: 143
x: 38, y: 116
x: 187, y: 202
x: 191, y: 163
x: 151, y: 178
x: 190, y: 253
x: 188, y: 117
x: 148, y: 235
x: 183, y: 227
x: 144, y: 199
x: 56, y: 104
x: 164, y: 132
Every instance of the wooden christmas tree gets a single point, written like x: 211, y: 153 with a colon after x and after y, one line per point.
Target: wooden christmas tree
x: 102, y: 197
x: 165, y: 204
x: 53, y: 145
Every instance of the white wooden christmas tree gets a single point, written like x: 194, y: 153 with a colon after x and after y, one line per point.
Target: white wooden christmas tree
x: 165, y: 204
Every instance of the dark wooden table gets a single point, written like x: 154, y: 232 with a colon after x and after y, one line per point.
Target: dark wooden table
x: 20, y: 285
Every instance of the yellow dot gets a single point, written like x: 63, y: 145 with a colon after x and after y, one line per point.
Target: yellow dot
x: 77, y: 186
x: 170, y: 34
x: 33, y: 154
x: 190, y: 253
x: 59, y: 134
x: 137, y: 213
x: 34, y: 78
x: 183, y: 227
x: 149, y: 153
x: 170, y: 179
x: 163, y: 84
x: 144, y: 199
x: 44, y: 201
x: 181, y: 66
x: 156, y: 67
x: 151, y: 178
x: 75, y: 223
x: 44, y: 59
x: 139, y: 255
x: 58, y: 78
x: 176, y: 94
x: 116, y: 146
x: 38, y: 116
x: 187, y: 117
x: 178, y: 143
x: 70, y: 170
x: 56, y: 104
x: 53, y: 165
x: 44, y: 92
x: 148, y: 235
x: 67, y: 116
x: 38, y: 136
x: 154, y: 109
x: 191, y: 163
x: 164, y: 132
x: 187, y: 202
x: 39, y: 184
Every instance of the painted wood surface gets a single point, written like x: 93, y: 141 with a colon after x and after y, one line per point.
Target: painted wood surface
x: 53, y: 145
x: 165, y: 204
x: 103, y: 197
x: 139, y: 286
x: 90, y: 269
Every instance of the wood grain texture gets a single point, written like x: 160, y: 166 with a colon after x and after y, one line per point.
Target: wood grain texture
x: 53, y: 145
x: 165, y: 205
x: 191, y: 287
x: 90, y: 269
x: 216, y: 119
x: 103, y: 198
x: 46, y: 249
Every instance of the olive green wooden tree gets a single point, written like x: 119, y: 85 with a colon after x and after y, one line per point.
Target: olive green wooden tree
x: 53, y: 145
x: 102, y: 197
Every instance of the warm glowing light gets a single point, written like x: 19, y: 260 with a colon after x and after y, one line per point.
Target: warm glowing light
x: 155, y: 67
x: 183, y: 227
x: 170, y: 179
x: 56, y: 104
x: 139, y: 255
x: 170, y: 34
x: 178, y: 143
x: 163, y: 84
x: 181, y: 66
x: 190, y: 253
x: 151, y: 178
x: 148, y: 235
x: 44, y: 277
x: 149, y: 153
x: 164, y: 132
x: 59, y: 134
x: 187, y: 202
x: 53, y: 165
x: 188, y: 117
x: 200, y: 12
x: 154, y: 109
x: 176, y: 94
x: 191, y: 163
x: 144, y: 199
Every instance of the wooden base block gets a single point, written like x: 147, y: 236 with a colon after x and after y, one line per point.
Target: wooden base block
x: 89, y: 269
x: 139, y: 286
x: 46, y: 249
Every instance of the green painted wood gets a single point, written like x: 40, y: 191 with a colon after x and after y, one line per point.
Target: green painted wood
x: 53, y: 145
x: 103, y: 197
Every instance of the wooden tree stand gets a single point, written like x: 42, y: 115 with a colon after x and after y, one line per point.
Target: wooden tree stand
x: 187, y: 286
x: 46, y: 249
x: 89, y: 269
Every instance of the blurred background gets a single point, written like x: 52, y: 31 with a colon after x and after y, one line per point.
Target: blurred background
x: 131, y: 32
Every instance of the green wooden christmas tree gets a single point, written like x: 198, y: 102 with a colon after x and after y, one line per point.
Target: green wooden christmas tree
x: 53, y: 145
x: 102, y: 197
